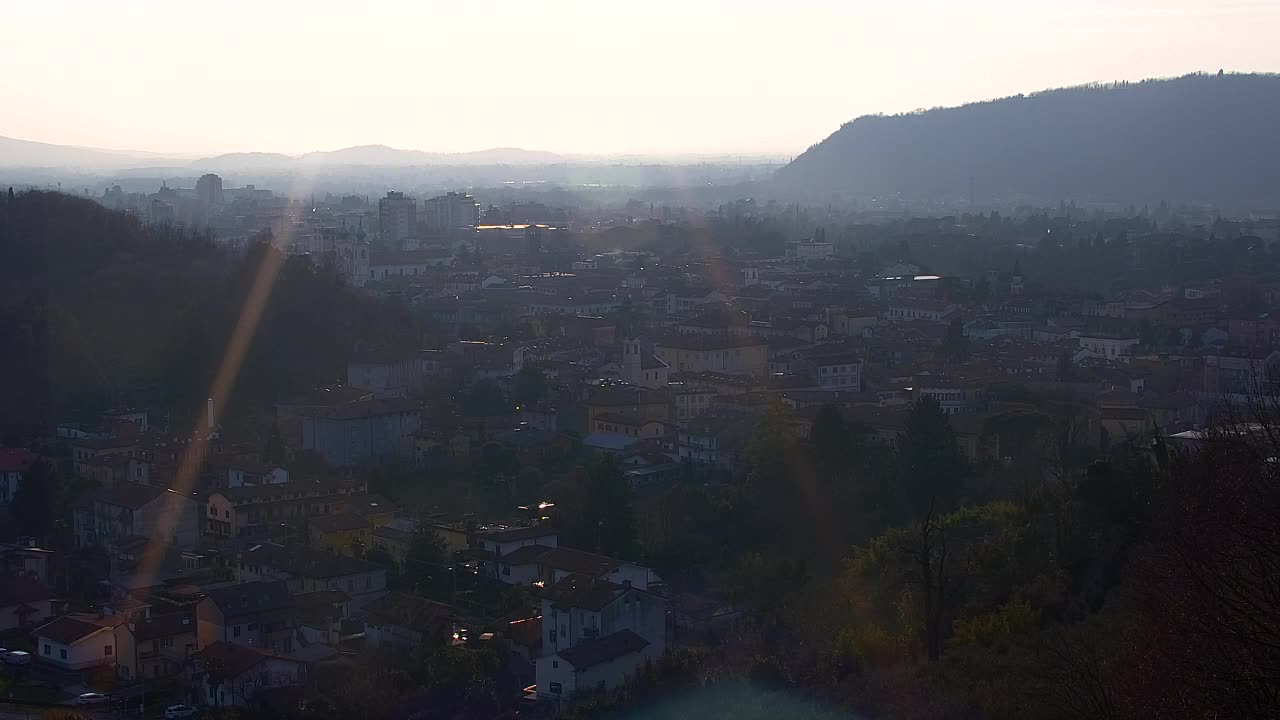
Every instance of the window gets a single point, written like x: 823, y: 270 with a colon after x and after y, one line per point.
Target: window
x: 555, y: 663
x: 235, y: 632
x: 106, y: 650
x: 47, y: 650
x: 368, y: 582
x: 62, y: 653
x: 555, y: 688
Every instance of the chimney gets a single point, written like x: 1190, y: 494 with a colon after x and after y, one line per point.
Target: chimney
x: 208, y: 407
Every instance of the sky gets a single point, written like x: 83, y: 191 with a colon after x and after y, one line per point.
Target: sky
x: 592, y: 77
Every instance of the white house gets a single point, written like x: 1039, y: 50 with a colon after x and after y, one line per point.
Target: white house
x: 600, y: 664
x: 596, y: 631
x: 1108, y: 347
x: 244, y: 672
x: 81, y: 641
x: 503, y: 541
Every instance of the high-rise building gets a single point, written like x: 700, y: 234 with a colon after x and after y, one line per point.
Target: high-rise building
x: 451, y: 212
x: 397, y: 219
x: 209, y: 190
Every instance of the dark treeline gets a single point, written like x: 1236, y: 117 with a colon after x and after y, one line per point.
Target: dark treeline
x: 1065, y: 581
x: 97, y: 310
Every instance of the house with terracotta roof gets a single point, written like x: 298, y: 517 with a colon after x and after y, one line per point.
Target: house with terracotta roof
x: 80, y: 641
x: 14, y: 462
x: 23, y: 601
x: 244, y: 672
x: 408, y: 620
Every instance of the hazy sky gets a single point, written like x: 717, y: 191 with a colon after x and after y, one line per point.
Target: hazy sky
x: 595, y: 76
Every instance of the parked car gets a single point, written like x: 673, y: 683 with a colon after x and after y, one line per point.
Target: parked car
x: 17, y: 657
x: 91, y: 698
x: 179, y: 711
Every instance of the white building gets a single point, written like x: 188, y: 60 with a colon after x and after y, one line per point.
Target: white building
x: 451, y: 212
x: 596, y: 634
x: 1108, y: 347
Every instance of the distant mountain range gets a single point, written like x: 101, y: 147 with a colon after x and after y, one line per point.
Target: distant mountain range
x: 30, y: 154
x: 1198, y: 138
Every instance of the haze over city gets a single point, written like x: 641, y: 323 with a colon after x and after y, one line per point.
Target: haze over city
x: 554, y: 360
x: 570, y: 77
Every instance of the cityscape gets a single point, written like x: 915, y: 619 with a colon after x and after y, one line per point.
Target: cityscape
x: 961, y: 413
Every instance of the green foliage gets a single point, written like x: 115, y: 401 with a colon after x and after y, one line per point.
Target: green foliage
x: 41, y: 499
x: 596, y: 514
x: 530, y: 385
x: 174, y: 299
x: 931, y: 469
x: 427, y: 569
x: 1001, y: 625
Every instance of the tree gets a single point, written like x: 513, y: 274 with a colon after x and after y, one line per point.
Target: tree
x: 930, y: 465
x: 40, y: 499
x: 530, y: 385
x: 830, y: 439
x: 215, y: 674
x: 427, y: 570
x: 599, y: 516
x: 1066, y: 371
x: 955, y: 346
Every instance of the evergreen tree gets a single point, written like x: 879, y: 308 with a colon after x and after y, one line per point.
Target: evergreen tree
x: 930, y: 465
x: 40, y: 499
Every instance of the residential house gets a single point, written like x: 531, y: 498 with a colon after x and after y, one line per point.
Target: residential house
x: 81, y: 641
x: 13, y: 463
x: 244, y: 672
x: 596, y: 634
x: 835, y: 372
x: 85, y: 450
x: 903, y: 309
x: 233, y: 511
x: 357, y: 432
x: 690, y: 401
x: 410, y: 621
x: 133, y: 510
x: 255, y: 614
x: 340, y: 533
x: 162, y: 644
x: 711, y: 440
x: 541, y: 565
x: 630, y: 424
x: 307, y: 569
x: 23, y: 601
x: 1110, y: 347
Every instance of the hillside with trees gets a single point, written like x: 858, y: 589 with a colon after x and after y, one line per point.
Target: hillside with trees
x: 1197, y: 138
x: 98, y: 311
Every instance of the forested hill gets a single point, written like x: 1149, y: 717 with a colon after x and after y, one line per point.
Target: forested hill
x: 97, y: 310
x: 1198, y: 138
